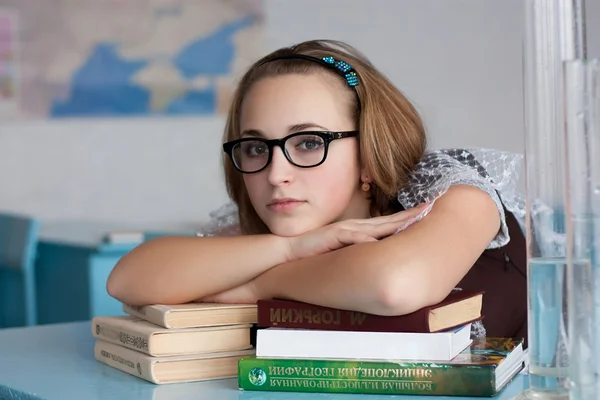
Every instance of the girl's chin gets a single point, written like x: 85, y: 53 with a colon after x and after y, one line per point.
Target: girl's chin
x: 289, y: 228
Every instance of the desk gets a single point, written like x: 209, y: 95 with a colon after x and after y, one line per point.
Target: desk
x: 71, y: 280
x: 55, y: 362
x: 72, y: 266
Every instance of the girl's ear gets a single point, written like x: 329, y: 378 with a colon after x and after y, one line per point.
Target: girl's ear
x: 364, y: 176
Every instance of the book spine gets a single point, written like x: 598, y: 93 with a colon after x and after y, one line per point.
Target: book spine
x: 150, y: 314
x: 337, y: 376
x: 124, y: 360
x: 123, y: 337
x: 273, y: 313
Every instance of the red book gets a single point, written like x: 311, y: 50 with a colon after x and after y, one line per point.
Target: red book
x: 459, y: 308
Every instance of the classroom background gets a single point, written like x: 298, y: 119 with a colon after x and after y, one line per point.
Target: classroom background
x: 82, y: 177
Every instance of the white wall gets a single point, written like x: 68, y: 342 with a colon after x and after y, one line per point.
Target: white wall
x: 458, y: 60
x: 593, y: 28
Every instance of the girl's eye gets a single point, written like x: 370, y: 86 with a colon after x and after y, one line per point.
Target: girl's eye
x: 310, y: 144
x: 256, y: 149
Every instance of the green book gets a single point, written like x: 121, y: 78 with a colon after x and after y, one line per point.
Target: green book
x: 482, y: 369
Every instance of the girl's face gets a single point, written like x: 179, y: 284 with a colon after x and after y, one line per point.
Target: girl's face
x: 293, y: 200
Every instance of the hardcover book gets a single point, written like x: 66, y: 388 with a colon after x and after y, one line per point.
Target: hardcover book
x: 459, y: 308
x: 482, y: 369
x: 194, y: 315
x: 173, y: 369
x: 143, y: 336
x: 311, y: 343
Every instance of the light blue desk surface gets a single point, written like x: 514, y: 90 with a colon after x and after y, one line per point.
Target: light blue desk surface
x: 56, y: 361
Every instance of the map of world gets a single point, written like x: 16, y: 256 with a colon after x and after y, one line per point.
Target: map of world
x: 110, y: 58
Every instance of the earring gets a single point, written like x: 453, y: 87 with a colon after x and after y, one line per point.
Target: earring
x: 365, y: 186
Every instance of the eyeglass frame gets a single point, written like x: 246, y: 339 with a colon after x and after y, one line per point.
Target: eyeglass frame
x: 327, y: 137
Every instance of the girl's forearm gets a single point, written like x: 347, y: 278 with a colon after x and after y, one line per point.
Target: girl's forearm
x: 401, y: 273
x: 351, y: 278
x: 172, y: 270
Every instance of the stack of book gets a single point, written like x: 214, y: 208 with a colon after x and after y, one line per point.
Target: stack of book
x: 177, y: 343
x: 307, y: 348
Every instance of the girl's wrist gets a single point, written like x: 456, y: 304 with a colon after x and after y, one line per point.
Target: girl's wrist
x: 284, y: 245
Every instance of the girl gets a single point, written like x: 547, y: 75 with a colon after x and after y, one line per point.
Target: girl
x: 337, y: 203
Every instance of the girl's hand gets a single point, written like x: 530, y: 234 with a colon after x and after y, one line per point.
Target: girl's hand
x: 352, y: 231
x: 319, y: 241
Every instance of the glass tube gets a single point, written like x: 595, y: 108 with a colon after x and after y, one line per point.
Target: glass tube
x: 593, y: 86
x: 579, y: 77
x: 553, y: 34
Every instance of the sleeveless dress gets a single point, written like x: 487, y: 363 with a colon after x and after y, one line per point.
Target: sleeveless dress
x: 501, y: 269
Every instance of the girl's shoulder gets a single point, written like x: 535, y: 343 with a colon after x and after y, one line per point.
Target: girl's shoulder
x: 494, y: 171
x: 502, y: 168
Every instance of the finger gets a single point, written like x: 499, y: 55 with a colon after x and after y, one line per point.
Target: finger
x: 385, y: 229
x: 396, y: 217
x: 348, y: 237
x: 412, y: 211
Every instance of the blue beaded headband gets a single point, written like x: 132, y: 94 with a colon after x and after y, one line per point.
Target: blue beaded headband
x: 346, y: 69
x: 342, y: 68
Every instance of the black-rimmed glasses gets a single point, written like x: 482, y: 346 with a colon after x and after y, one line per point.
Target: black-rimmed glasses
x: 302, y: 149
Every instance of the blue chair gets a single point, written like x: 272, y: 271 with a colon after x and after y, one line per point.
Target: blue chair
x: 18, y: 247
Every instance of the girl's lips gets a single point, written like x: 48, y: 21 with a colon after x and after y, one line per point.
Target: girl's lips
x: 283, y: 205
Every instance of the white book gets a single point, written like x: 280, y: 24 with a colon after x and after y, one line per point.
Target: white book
x: 319, y: 344
x: 124, y: 237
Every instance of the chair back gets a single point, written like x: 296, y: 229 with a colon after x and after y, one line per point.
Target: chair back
x: 18, y: 246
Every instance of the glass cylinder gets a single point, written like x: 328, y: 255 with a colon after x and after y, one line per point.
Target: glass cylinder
x: 580, y: 231
x: 593, y: 85
x: 582, y: 111
x: 553, y: 34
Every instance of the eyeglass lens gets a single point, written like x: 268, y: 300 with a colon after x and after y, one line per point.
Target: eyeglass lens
x: 303, y: 150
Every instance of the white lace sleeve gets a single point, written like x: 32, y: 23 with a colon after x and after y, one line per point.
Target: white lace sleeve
x: 223, y: 221
x: 496, y: 172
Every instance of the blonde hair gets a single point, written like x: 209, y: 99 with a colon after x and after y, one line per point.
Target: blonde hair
x: 392, y: 137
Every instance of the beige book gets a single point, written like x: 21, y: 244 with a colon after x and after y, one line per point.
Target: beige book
x: 143, y: 336
x: 173, y: 369
x: 192, y: 315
